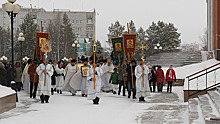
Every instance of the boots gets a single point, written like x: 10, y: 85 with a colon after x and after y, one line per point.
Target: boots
x: 47, y: 98
x: 58, y: 91
x: 114, y: 92
x: 96, y: 101
x: 42, y: 98
x: 61, y: 92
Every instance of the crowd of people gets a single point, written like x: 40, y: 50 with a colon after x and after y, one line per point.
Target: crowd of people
x: 47, y: 78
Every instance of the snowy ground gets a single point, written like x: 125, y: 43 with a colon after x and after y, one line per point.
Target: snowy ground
x: 160, y: 108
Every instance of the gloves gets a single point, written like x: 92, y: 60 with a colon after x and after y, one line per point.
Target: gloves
x: 91, y: 79
x: 62, y: 74
x: 175, y: 80
x: 96, y: 73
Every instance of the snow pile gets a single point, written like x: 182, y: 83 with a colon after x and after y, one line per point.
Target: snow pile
x: 5, y: 91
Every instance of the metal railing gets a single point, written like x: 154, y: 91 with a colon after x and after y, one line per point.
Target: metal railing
x: 201, y: 73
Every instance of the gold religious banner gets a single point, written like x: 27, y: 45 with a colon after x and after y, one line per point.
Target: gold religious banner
x: 142, y: 47
x: 84, y: 70
x: 46, y: 47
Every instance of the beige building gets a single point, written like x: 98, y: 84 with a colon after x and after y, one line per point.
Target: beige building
x: 83, y: 23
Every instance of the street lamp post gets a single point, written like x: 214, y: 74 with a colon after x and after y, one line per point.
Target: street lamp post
x: 12, y: 11
x: 76, y: 45
x: 4, y: 58
x: 21, y: 39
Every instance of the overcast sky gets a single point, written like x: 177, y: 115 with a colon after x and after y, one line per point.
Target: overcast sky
x: 189, y: 16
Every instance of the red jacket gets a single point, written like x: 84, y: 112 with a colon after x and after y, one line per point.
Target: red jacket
x: 160, y: 76
x: 173, y: 76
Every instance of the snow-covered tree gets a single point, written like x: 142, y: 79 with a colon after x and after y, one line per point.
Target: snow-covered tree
x: 28, y: 28
x: 132, y: 28
x: 5, y: 41
x: 164, y: 33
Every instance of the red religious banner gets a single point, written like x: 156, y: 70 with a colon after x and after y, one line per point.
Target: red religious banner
x: 129, y: 41
x: 40, y: 38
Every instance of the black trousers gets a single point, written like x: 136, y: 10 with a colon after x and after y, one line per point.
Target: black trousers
x: 169, y: 87
x: 18, y: 85
x: 33, y: 93
x: 129, y: 86
x: 159, y: 87
x: 121, y: 84
x: 154, y: 85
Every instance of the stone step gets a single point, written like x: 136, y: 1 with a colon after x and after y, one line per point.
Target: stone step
x: 195, y: 112
x: 208, y: 108
x: 215, y: 97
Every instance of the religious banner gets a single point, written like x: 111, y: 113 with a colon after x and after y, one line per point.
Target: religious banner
x: 129, y: 41
x: 40, y: 37
x: 118, y: 49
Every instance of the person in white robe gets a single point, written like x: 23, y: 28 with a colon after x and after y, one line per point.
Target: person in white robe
x: 25, y: 78
x: 142, y: 83
x: 71, y: 85
x: 44, y: 87
x: 94, y: 94
x: 60, y: 78
x: 107, y: 71
x: 84, y: 82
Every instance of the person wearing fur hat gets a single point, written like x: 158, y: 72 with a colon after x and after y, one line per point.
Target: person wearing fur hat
x: 170, y: 77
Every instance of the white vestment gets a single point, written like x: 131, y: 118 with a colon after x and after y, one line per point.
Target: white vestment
x: 25, y: 79
x: 142, y: 84
x: 42, y: 87
x: 60, y: 78
x: 69, y: 84
x: 107, y: 71
x: 93, y: 93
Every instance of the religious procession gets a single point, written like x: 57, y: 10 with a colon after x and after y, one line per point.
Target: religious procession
x: 119, y: 73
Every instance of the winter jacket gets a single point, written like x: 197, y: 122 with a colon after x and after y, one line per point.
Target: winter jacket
x: 153, y: 76
x: 120, y: 73
x: 3, y: 73
x: 129, y: 78
x: 18, y: 74
x: 172, y: 77
x: 31, y: 72
x: 160, y: 76
x: 114, y: 78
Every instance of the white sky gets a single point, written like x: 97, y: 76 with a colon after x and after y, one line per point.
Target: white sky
x: 189, y: 16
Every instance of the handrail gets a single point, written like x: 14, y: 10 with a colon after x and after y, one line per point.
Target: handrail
x: 206, y: 74
x: 213, y: 86
x: 203, y: 70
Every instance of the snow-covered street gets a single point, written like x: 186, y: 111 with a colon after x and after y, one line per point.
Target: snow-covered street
x: 159, y: 108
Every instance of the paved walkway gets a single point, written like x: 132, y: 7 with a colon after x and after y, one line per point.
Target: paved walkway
x: 160, y: 108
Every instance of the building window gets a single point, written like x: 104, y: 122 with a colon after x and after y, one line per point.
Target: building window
x: 78, y: 28
x: 73, y: 22
x: 89, y: 28
x: 80, y: 21
x: 89, y: 21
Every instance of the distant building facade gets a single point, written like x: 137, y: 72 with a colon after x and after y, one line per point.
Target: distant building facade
x: 83, y: 23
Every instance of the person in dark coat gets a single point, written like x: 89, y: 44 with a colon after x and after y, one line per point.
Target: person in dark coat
x: 129, y: 79
x: 3, y: 73
x: 122, y: 77
x: 160, y: 79
x: 53, y: 78
x: 153, y: 79
x: 9, y: 74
